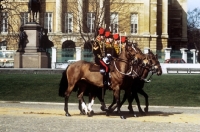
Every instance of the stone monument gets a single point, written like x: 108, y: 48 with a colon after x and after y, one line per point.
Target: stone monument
x: 29, y: 55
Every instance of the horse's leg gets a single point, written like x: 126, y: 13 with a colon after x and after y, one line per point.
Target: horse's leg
x: 100, y: 96
x: 117, y: 105
x: 138, y: 104
x: 90, y: 104
x: 124, y: 99
x: 81, y: 100
x: 110, y: 108
x: 141, y: 91
x: 80, y: 107
x: 130, y: 100
x: 66, y: 106
x: 117, y: 97
x: 67, y: 94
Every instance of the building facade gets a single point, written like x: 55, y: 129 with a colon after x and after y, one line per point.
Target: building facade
x: 156, y: 24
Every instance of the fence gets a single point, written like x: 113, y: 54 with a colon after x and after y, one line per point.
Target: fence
x: 63, y: 56
x: 6, y: 57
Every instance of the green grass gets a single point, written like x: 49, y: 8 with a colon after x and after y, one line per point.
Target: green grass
x: 165, y: 90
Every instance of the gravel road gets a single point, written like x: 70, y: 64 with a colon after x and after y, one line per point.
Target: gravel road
x: 49, y: 117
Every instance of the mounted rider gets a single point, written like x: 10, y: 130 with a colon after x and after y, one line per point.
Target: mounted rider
x: 101, y: 38
x: 108, y: 43
x: 105, y: 61
x: 116, y: 44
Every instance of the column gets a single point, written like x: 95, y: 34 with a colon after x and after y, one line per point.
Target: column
x: 184, y: 54
x: 3, y: 48
x: 3, y: 51
x: 184, y: 20
x: 194, y: 55
x: 153, y: 25
x: 53, y: 58
x: 58, y: 15
x: 164, y: 18
x: 78, y: 53
x: 197, y: 52
x: 153, y: 18
x: 168, y: 53
x: 80, y: 14
x: 146, y: 17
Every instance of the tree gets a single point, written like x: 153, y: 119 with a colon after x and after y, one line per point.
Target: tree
x: 10, y: 22
x: 96, y: 14
x: 193, y: 30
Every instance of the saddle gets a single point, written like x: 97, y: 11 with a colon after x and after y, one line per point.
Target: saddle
x: 96, y: 68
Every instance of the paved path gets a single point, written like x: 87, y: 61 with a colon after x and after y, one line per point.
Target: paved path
x: 49, y: 117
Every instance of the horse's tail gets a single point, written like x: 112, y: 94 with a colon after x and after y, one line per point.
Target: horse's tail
x: 63, y: 84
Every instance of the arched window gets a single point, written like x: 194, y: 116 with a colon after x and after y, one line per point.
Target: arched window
x: 88, y: 45
x: 68, y: 44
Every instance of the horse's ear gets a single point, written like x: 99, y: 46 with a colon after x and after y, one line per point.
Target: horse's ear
x: 149, y: 51
x: 156, y: 56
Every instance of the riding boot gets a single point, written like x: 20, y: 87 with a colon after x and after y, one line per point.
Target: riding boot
x: 105, y: 80
x: 108, y: 79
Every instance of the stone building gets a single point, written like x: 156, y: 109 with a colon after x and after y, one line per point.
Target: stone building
x: 155, y: 24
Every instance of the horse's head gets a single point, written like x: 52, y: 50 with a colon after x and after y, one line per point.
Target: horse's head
x: 133, y: 52
x: 155, y: 64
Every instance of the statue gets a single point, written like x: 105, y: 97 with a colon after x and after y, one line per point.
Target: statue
x: 41, y: 34
x: 34, y: 7
x: 22, y: 40
x: 45, y: 43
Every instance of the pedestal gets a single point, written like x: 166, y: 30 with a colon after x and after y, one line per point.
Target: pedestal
x: 31, y: 57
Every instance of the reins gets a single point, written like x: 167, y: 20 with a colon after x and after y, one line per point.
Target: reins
x: 127, y: 74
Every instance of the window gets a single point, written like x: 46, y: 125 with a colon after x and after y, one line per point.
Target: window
x: 48, y: 21
x: 114, y: 22
x: 24, y: 18
x: 90, y: 21
x: 134, y: 23
x: 68, y: 22
x: 4, y: 22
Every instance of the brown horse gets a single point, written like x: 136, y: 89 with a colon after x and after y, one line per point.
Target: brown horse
x: 140, y: 71
x: 138, y: 84
x: 80, y: 71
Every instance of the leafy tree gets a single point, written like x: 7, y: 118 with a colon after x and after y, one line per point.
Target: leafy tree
x: 100, y: 10
x: 193, y: 30
x: 10, y: 16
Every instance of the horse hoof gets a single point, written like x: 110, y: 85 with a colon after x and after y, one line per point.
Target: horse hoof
x: 122, y: 117
x: 67, y: 114
x: 146, y: 110
x: 90, y: 114
x: 104, y: 108
x: 107, y: 114
x: 83, y: 112
x: 134, y: 115
x: 130, y: 109
x: 143, y: 113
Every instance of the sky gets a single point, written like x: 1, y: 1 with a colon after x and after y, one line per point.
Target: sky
x: 193, y: 4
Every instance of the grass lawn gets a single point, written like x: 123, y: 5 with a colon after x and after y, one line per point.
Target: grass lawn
x: 165, y: 90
